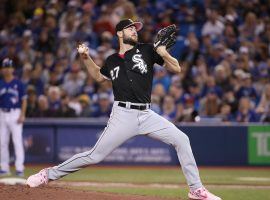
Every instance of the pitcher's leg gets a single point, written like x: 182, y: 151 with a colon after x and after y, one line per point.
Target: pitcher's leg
x: 180, y: 142
x: 161, y: 129
x: 116, y: 133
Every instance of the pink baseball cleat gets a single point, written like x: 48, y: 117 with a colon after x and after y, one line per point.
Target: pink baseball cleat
x: 36, y: 180
x: 202, y: 194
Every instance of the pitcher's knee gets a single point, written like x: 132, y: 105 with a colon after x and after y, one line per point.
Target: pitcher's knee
x: 181, y: 138
x: 95, y: 157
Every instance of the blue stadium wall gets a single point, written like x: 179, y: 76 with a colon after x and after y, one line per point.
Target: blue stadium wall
x: 53, y: 141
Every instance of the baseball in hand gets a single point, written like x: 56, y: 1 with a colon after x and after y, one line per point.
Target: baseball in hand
x: 82, y: 49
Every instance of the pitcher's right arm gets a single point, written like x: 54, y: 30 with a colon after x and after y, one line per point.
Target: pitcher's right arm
x: 90, y: 65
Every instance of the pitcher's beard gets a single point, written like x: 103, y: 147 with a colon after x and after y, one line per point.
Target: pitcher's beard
x: 129, y: 40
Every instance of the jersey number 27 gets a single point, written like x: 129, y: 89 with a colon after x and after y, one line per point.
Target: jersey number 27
x: 114, y: 72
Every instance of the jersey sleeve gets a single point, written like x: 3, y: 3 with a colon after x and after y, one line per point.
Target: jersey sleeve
x: 157, y: 58
x: 105, y: 71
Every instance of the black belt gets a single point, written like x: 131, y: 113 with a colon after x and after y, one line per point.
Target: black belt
x: 6, y: 109
x: 133, y: 106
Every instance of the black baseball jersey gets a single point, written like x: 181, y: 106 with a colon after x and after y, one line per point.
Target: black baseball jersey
x: 132, y: 75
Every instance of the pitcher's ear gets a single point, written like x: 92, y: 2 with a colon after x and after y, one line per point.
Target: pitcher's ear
x: 120, y: 34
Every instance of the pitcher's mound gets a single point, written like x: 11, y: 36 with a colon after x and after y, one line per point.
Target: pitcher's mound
x: 22, y: 192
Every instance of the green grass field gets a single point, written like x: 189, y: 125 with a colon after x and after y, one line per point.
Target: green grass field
x: 229, y: 183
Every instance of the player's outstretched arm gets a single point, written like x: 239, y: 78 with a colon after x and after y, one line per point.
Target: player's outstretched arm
x: 91, y: 67
x: 171, y: 63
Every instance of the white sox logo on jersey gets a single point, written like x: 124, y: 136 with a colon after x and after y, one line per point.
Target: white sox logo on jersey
x: 139, y: 63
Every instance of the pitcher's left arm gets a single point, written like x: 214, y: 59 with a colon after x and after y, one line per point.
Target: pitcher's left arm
x: 164, y: 40
x: 170, y: 63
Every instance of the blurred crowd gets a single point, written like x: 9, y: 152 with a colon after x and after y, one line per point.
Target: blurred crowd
x: 223, y: 47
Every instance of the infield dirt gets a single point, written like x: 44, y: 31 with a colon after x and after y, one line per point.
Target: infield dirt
x: 21, y: 192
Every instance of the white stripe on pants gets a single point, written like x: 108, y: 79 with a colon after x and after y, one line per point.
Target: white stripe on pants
x: 9, y: 126
x: 124, y: 124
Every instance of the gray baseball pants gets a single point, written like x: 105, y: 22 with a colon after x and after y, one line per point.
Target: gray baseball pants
x: 124, y: 124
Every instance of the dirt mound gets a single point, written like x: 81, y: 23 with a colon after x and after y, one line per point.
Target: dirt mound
x: 21, y: 192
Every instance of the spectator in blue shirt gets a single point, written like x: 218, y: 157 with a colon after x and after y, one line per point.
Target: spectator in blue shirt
x: 103, y: 107
x: 169, y: 108
x: 162, y: 77
x: 245, y: 113
x: 247, y: 90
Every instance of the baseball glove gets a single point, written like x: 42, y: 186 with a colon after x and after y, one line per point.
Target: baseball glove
x: 166, y: 37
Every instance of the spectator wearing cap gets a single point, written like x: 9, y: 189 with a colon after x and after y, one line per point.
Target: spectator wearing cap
x: 84, y: 101
x: 210, y: 104
x: 103, y: 107
x: 245, y: 54
x: 230, y: 58
x: 247, y: 89
x: 245, y: 113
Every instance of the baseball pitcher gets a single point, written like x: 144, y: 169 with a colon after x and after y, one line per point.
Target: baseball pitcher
x: 12, y: 115
x: 131, y: 73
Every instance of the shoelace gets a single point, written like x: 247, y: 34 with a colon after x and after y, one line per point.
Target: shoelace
x: 43, y: 177
x: 199, y: 193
